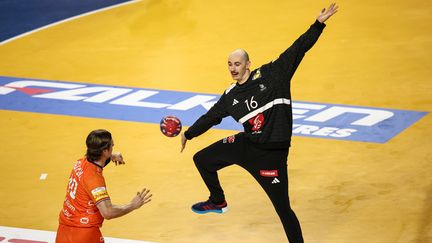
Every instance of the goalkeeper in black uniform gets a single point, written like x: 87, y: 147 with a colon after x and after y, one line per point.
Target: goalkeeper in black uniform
x: 261, y: 101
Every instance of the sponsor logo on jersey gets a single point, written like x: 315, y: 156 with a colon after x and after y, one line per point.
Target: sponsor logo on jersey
x: 334, y: 121
x: 84, y: 220
x: 69, y: 205
x: 257, y: 75
x: 90, y: 211
x: 99, y: 193
x: 269, y: 173
x: 66, y: 213
x: 257, y: 122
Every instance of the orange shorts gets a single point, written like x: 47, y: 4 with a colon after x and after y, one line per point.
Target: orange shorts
x: 68, y: 234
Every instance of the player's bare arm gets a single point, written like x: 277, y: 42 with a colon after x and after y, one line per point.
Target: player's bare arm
x: 110, y: 211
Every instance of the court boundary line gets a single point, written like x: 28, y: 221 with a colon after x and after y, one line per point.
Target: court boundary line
x: 66, y: 20
x: 48, y: 236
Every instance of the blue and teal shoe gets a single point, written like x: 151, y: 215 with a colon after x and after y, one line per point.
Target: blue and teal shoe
x: 209, y: 207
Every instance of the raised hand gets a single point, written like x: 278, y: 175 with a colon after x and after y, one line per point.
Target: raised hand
x: 141, y: 198
x: 117, y: 158
x: 324, y: 15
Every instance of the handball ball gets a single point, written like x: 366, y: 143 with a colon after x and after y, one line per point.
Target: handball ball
x: 170, y: 126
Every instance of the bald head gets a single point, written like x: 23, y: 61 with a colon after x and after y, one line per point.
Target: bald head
x: 238, y: 65
x: 239, y: 53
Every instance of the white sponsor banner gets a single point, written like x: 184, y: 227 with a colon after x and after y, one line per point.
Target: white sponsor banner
x: 20, y: 235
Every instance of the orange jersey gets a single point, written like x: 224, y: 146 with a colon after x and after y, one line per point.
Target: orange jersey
x: 85, y: 190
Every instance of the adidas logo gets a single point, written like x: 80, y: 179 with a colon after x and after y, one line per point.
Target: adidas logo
x: 275, y: 180
x: 235, y: 102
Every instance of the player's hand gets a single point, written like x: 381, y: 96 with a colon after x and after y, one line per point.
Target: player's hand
x: 324, y: 15
x: 183, y: 142
x: 117, y: 158
x: 141, y: 198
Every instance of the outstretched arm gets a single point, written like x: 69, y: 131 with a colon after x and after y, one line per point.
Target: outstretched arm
x: 213, y: 117
x: 289, y: 60
x: 110, y: 211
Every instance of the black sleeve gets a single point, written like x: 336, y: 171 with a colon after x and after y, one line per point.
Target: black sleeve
x: 213, y: 117
x: 289, y: 60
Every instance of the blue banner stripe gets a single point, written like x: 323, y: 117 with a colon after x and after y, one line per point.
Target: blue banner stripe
x: 343, y: 122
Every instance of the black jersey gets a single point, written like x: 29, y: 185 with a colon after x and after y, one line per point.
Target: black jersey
x: 263, y: 103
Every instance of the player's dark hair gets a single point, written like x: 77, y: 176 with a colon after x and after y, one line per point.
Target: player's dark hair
x: 97, y: 141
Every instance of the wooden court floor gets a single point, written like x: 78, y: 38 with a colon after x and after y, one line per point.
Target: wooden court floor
x: 372, y: 53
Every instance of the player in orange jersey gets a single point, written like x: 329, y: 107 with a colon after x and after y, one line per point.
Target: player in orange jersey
x: 87, y: 202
